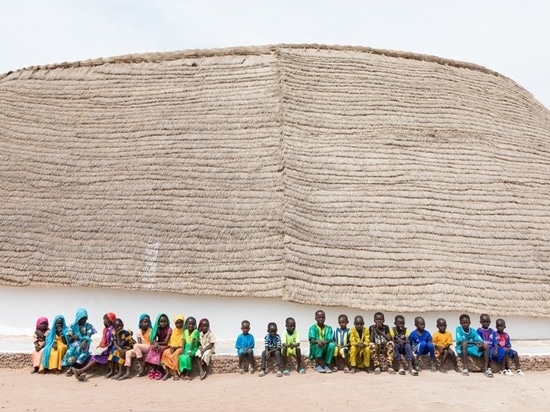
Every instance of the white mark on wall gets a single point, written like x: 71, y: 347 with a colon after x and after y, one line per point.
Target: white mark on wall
x: 150, y: 268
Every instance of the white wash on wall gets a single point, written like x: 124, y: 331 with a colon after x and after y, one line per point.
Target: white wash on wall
x: 21, y: 306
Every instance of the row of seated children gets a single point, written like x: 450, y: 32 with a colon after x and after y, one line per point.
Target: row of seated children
x: 357, y: 348
x: 158, y: 348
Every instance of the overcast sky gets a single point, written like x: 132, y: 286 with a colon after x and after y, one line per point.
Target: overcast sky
x: 509, y: 36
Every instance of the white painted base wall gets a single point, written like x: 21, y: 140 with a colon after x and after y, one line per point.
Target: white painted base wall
x: 21, y: 306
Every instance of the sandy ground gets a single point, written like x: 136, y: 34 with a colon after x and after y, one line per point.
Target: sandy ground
x: 21, y: 391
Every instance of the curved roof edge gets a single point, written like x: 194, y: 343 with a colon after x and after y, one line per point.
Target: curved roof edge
x: 249, y: 50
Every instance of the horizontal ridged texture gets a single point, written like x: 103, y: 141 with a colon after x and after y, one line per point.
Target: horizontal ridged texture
x: 323, y: 175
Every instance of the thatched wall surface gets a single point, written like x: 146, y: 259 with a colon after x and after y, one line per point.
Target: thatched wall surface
x: 321, y: 174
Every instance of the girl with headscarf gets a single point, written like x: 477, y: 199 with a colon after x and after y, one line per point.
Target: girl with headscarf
x: 190, y: 347
x: 169, y: 359
x: 141, y: 347
x: 80, y: 337
x: 160, y: 335
x: 100, y: 354
x: 39, y: 340
x: 56, y: 346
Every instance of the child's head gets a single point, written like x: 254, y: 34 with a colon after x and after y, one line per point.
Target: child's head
x: 399, y: 322
x: 118, y: 324
x: 343, y: 321
x: 441, y: 325
x: 245, y: 327
x: 191, y: 323
x: 485, y: 321
x: 109, y: 319
x: 42, y: 324
x: 82, y: 321
x: 419, y: 323
x: 320, y: 318
x: 379, y: 319
x: 272, y: 328
x: 163, y: 322
x: 290, y: 325
x: 178, y: 321
x: 59, y: 323
x: 144, y: 322
x: 500, y: 325
x: 358, y: 322
x: 204, y: 325
x: 465, y: 322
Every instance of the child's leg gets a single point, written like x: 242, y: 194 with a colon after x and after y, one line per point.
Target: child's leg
x: 514, y: 355
x: 277, y: 355
x: 111, y: 370
x: 464, y: 347
x: 264, y: 361
x: 375, y: 356
x: 251, y: 361
x: 390, y: 354
x: 299, y: 360
x: 486, y: 356
x: 284, y: 357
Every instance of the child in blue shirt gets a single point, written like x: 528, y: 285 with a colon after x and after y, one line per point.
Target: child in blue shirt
x: 245, y: 347
x: 422, y: 342
x: 468, y: 342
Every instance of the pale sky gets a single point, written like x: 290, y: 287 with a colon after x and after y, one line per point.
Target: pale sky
x: 508, y: 36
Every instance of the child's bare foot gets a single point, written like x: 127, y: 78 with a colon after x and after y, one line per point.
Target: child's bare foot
x: 176, y: 378
x: 127, y: 375
x: 119, y: 374
x: 166, y: 376
x: 110, y: 373
x: 34, y: 370
x: 142, y: 370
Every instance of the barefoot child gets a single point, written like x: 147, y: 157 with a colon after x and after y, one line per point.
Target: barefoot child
x: 381, y: 343
x: 245, y: 347
x: 342, y: 343
x: 443, y: 341
x: 272, y: 348
x: 359, y: 353
x: 80, y: 334
x: 123, y: 341
x: 291, y: 347
x: 39, y: 340
x: 402, y: 346
x: 141, y: 347
x: 191, y: 337
x: 504, y: 351
x: 422, y: 342
x: 321, y: 343
x: 170, y: 356
x: 56, y: 346
x: 100, y: 355
x: 207, y: 342
x: 468, y: 342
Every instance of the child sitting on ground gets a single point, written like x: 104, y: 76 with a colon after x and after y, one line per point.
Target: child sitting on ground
x: 503, y: 351
x: 245, y: 347
x: 141, y: 347
x: 272, y: 348
x: 400, y: 336
x: 443, y: 341
x: 421, y: 341
x: 468, y: 342
x: 321, y: 344
x: 291, y: 347
x: 123, y: 341
x: 39, y: 340
x: 381, y: 343
x: 359, y: 352
x: 341, y: 341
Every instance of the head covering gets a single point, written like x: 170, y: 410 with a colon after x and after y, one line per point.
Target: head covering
x: 50, y: 339
x: 107, y: 329
x: 80, y: 313
x: 156, y: 326
x: 177, y: 334
x: 143, y: 316
x: 40, y: 320
x: 111, y: 316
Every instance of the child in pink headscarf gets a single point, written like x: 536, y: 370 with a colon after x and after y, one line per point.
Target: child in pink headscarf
x: 39, y: 337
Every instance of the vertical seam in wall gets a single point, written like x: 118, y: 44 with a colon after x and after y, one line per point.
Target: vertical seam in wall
x: 281, y: 122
